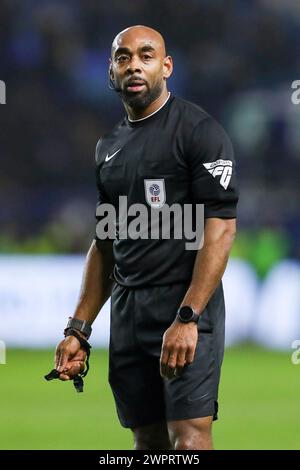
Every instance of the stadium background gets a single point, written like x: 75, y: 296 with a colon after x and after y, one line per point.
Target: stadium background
x: 238, y: 60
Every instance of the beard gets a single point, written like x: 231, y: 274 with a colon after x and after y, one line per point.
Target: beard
x: 140, y: 100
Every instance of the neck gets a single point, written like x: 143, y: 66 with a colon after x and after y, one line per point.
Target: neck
x: 151, y: 108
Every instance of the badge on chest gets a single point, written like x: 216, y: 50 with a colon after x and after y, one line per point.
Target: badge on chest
x: 155, y: 192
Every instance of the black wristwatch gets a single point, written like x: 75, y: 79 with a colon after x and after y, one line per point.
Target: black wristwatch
x: 186, y: 314
x: 80, y: 325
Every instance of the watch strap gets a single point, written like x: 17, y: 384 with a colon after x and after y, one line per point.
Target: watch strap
x: 81, y: 325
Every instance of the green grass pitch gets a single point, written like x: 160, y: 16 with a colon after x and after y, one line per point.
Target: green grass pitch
x: 259, y: 404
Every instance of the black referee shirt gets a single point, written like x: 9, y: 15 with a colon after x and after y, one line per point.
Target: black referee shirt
x: 179, y: 154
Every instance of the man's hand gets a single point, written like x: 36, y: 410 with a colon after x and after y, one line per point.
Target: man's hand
x: 178, y: 348
x: 69, y: 358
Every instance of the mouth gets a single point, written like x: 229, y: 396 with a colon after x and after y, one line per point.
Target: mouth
x: 135, y: 85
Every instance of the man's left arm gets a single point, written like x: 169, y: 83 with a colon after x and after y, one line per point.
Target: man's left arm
x: 180, y: 340
x: 213, y: 183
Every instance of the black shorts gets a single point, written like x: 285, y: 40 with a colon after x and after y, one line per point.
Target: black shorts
x: 139, y: 318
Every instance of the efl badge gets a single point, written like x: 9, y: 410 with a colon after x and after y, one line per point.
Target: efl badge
x: 155, y: 193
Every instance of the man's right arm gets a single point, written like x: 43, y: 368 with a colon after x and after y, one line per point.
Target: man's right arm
x: 95, y: 290
x: 96, y: 283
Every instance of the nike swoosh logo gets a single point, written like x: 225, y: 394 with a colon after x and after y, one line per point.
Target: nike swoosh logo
x: 107, y: 158
x: 197, y: 398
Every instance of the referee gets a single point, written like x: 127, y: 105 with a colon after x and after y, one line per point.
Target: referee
x: 167, y: 306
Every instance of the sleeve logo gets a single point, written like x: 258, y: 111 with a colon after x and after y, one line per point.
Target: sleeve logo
x: 222, y: 168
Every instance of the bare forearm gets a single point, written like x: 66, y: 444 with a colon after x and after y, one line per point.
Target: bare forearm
x: 96, y: 285
x: 210, y: 263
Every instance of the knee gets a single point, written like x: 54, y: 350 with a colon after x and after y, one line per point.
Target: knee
x: 191, y: 435
x: 154, y: 444
x: 148, y: 439
x: 151, y: 443
x: 199, y: 442
x: 183, y: 443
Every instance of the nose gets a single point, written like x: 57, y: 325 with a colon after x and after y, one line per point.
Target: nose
x: 134, y: 65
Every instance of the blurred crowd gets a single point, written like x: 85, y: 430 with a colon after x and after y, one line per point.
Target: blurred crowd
x: 237, y: 59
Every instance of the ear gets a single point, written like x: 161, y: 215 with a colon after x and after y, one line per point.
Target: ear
x: 110, y: 70
x: 167, y: 67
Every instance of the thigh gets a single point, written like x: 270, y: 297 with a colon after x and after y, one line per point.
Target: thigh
x: 194, y: 394
x: 137, y: 388
x: 134, y: 376
x: 156, y: 309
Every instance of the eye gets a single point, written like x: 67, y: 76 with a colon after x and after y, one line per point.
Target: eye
x: 147, y: 57
x: 121, y: 58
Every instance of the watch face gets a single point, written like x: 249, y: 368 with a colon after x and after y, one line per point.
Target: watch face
x: 186, y: 313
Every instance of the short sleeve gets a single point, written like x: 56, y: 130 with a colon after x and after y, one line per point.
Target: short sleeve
x: 213, y: 170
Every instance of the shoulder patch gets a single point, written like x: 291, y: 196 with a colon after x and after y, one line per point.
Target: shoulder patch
x: 222, y: 168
